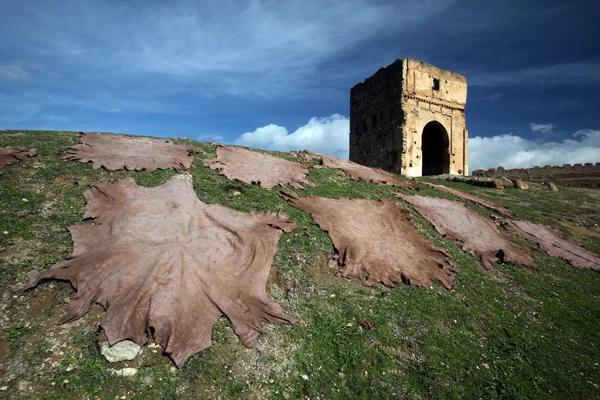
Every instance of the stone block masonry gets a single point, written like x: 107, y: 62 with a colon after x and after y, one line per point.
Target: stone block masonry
x: 409, y: 118
x: 577, y: 175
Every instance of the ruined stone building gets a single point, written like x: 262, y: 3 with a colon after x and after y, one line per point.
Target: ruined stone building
x: 409, y: 118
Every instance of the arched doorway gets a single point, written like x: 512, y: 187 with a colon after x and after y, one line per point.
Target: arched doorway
x: 435, y: 147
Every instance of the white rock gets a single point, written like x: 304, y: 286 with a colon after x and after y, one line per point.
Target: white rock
x: 125, y: 372
x: 3, y: 388
x: 121, y: 351
x: 185, y: 177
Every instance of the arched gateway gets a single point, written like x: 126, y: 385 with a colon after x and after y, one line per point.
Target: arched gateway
x: 435, y: 149
x: 409, y: 117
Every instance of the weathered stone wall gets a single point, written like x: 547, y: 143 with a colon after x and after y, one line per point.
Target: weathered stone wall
x: 578, y: 175
x: 389, y: 111
x: 375, y: 119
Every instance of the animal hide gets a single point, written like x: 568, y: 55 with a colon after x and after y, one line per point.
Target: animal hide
x: 479, y: 235
x: 115, y: 152
x: 160, y: 260
x: 359, y: 172
x: 472, y: 199
x: 376, y: 238
x: 10, y: 155
x: 553, y: 242
x: 257, y: 168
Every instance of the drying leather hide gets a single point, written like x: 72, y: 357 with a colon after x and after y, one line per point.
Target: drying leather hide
x: 553, y: 242
x: 359, y: 172
x: 162, y: 261
x: 115, y: 152
x: 10, y: 154
x: 479, y: 235
x: 256, y: 168
x: 472, y: 199
x: 376, y: 238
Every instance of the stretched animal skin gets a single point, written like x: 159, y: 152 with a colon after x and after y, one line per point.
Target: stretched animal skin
x: 257, y: 168
x: 10, y: 155
x: 472, y: 199
x: 114, y: 152
x: 359, y: 172
x: 553, y: 242
x: 376, y: 239
x: 162, y: 261
x: 479, y: 235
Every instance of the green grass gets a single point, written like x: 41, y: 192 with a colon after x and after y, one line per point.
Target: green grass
x: 508, y: 333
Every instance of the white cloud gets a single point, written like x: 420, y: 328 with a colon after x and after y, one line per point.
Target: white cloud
x: 329, y: 135
x: 510, y: 151
x: 544, y: 128
x: 14, y: 73
x: 113, y: 110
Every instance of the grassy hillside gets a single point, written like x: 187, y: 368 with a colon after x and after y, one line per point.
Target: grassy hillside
x: 508, y: 333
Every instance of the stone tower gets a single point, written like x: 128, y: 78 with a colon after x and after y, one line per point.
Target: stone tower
x: 409, y: 118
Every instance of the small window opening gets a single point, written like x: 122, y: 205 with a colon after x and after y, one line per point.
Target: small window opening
x: 436, y: 84
x: 374, y: 120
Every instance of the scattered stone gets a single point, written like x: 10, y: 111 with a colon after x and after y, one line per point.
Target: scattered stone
x: 185, y: 177
x: 498, y: 183
x: 121, y: 351
x: 305, y: 157
x: 552, y: 186
x: 519, y: 184
x: 3, y: 388
x: 507, y: 182
x: 124, y: 372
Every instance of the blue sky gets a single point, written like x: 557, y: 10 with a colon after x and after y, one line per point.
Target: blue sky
x: 277, y: 74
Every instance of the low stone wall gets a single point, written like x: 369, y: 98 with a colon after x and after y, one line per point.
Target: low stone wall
x: 578, y: 175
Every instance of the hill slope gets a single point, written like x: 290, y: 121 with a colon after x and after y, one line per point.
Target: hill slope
x: 510, y: 332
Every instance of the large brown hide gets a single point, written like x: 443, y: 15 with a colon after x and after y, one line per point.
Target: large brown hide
x: 115, y: 152
x: 472, y: 199
x: 376, y: 238
x: 359, y: 172
x: 257, y: 168
x: 479, y: 235
x: 163, y: 261
x: 553, y: 242
x: 10, y: 155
